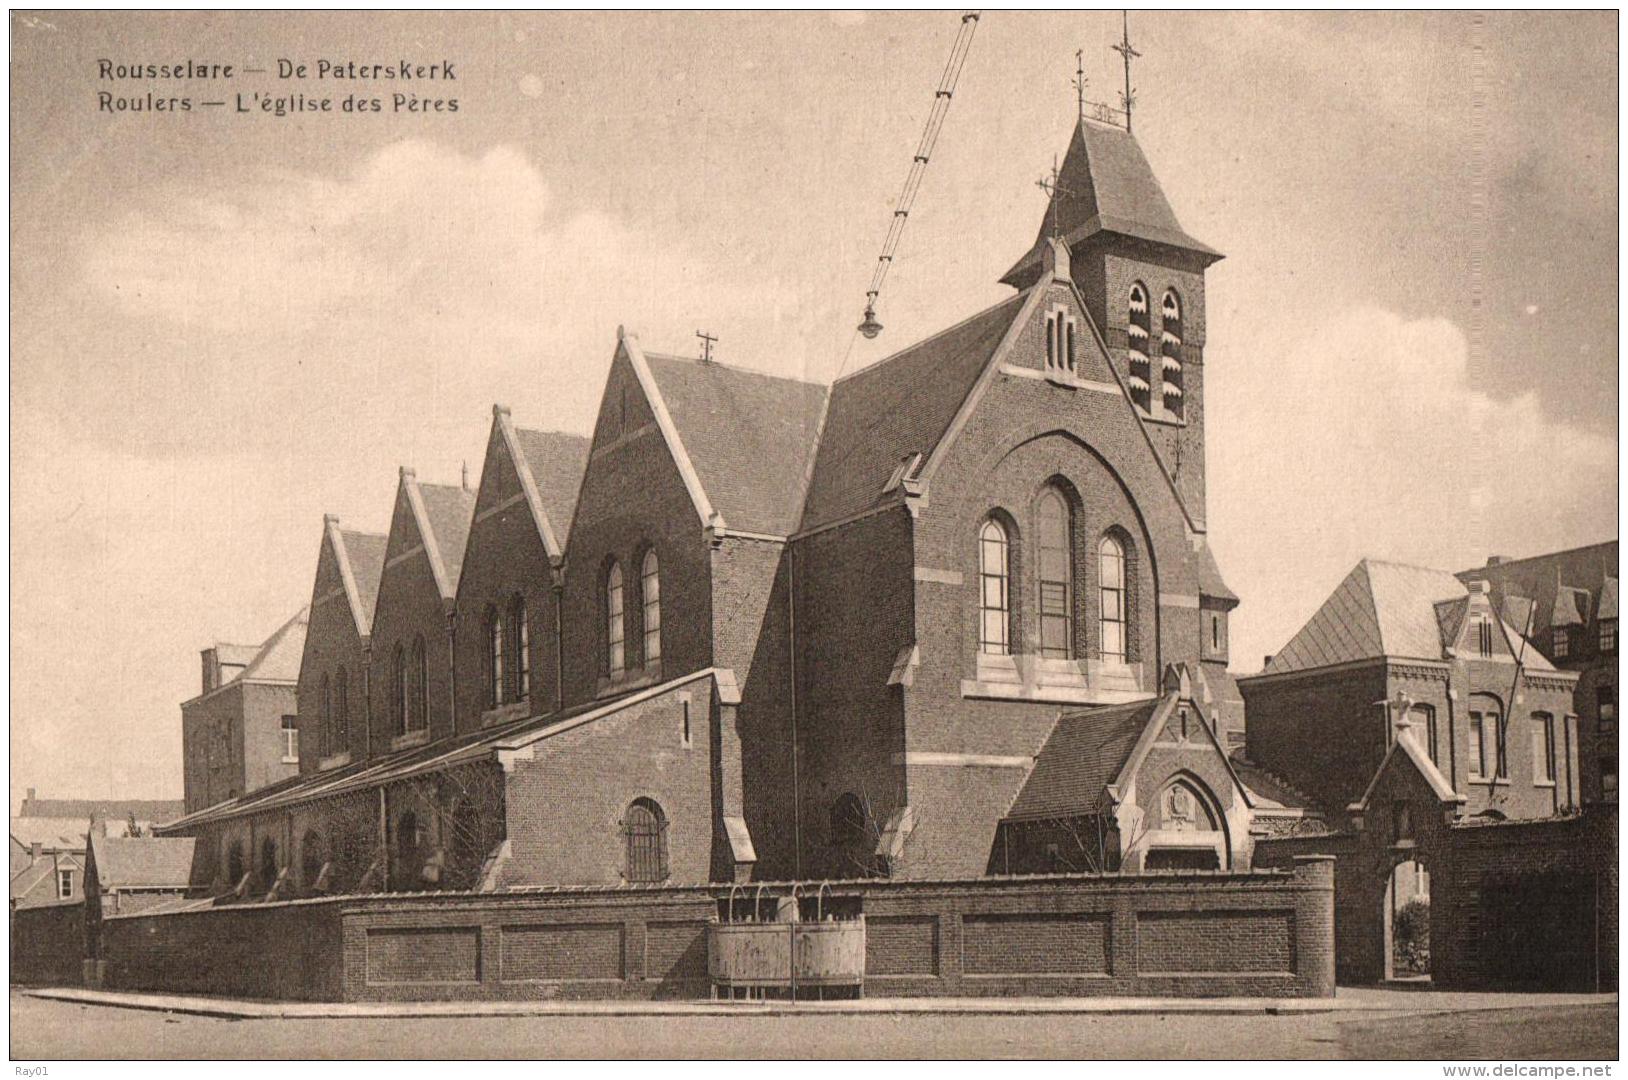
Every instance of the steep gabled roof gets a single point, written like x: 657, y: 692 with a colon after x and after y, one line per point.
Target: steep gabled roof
x: 156, y: 811
x: 555, y: 462
x: 361, y: 563
x: 1570, y: 607
x: 1085, y: 752
x: 1106, y: 185
x: 747, y: 435
x: 443, y: 514
x: 144, y: 862
x: 881, y: 416
x: 278, y: 659
x: 1385, y: 609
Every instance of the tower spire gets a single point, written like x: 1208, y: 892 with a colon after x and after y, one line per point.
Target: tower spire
x: 1128, y: 51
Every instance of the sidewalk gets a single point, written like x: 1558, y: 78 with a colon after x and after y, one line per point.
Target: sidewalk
x: 1358, y: 1000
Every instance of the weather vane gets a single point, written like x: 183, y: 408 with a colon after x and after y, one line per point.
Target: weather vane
x: 1128, y: 51
x: 1080, y: 80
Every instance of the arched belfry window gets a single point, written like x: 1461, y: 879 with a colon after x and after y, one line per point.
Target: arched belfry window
x: 616, y: 649
x: 494, y: 657
x: 1111, y: 598
x: 1138, y: 323
x: 1055, y: 548
x: 1060, y: 330
x: 522, y: 647
x: 650, y: 595
x: 1170, y: 341
x: 644, y: 827
x: 995, y: 589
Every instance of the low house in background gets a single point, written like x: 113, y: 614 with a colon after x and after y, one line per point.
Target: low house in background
x: 1572, y: 598
x: 47, y: 851
x: 239, y: 734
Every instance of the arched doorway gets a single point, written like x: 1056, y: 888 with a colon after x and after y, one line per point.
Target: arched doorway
x: 1407, y: 922
x: 1189, y: 831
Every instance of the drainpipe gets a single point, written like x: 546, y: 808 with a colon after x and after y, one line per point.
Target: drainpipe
x: 1452, y: 736
x: 367, y: 699
x: 384, y: 841
x: 452, y: 673
x: 559, y: 638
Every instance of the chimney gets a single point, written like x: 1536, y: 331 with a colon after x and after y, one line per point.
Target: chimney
x: 30, y: 794
x: 211, y: 668
x: 1497, y: 560
x: 1267, y: 662
x: 34, y: 852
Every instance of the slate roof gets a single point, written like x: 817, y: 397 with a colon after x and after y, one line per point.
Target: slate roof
x: 557, y: 461
x: 1210, y: 582
x: 1544, y: 579
x: 142, y: 862
x: 61, y: 833
x: 365, y: 553
x: 1382, y: 609
x: 154, y: 810
x: 279, y: 657
x: 883, y: 414
x: 1106, y: 186
x: 1085, y: 753
x: 1570, y: 607
x: 450, y: 509
x: 1608, y: 599
x: 748, y: 435
x: 1270, y: 790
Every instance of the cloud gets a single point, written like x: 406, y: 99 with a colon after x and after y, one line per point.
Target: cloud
x: 1361, y: 432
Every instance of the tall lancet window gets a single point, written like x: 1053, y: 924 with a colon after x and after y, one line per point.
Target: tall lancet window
x: 1137, y: 325
x: 1170, y: 352
x: 650, y: 593
x: 522, y: 647
x: 616, y: 652
x: 494, y: 657
x: 1056, y: 574
x: 1111, y: 588
x: 995, y: 585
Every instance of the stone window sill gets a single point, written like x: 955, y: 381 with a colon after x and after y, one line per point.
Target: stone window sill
x: 506, y: 713
x: 1027, y: 677
x: 636, y: 679
x: 290, y: 760
x: 1543, y: 783
x: 411, y: 739
x: 334, y: 761
x: 1162, y: 418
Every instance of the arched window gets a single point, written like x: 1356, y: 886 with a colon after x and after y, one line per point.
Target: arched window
x: 494, y: 657
x: 421, y: 685
x: 650, y: 593
x: 311, y: 859
x: 268, y: 862
x: 995, y: 595
x: 1055, y: 536
x: 326, y: 727
x: 1487, y: 757
x: 616, y: 651
x: 398, y: 689
x: 341, y: 712
x: 1543, y: 748
x: 1137, y: 325
x: 522, y: 648
x: 1170, y: 352
x: 1060, y: 340
x: 1111, y: 598
x: 645, y: 828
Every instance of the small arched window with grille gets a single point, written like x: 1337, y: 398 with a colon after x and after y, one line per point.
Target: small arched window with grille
x: 650, y: 594
x: 1060, y: 330
x: 494, y: 657
x: 1111, y: 598
x: 644, y: 827
x: 615, y: 630
x: 1056, y: 576
x: 522, y: 647
x: 1170, y: 341
x: 995, y: 589
x: 1138, y: 324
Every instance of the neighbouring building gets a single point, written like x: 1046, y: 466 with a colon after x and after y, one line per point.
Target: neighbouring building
x: 761, y: 627
x: 240, y: 733
x: 1571, y: 597
x: 48, y: 838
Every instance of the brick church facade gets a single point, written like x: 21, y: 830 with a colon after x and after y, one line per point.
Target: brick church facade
x: 954, y: 614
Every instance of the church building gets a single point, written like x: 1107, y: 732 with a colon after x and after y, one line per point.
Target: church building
x: 955, y: 614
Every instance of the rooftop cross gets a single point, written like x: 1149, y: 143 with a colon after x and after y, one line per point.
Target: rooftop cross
x: 1051, y: 187
x: 1128, y: 51
x: 1080, y: 80
x: 707, y: 341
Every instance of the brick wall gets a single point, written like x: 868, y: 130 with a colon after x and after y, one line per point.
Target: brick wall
x: 410, y: 605
x: 331, y: 643
x: 1257, y: 934
x: 48, y: 944
x: 1320, y: 732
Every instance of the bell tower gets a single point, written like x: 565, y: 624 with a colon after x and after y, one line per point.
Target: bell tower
x: 1142, y: 277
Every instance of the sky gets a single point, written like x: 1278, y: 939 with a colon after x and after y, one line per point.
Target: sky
x: 225, y: 324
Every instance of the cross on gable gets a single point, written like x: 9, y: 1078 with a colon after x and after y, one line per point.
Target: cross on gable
x: 1052, y: 187
x: 707, y: 341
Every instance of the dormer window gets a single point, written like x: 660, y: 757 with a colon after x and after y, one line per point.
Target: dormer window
x: 1608, y: 635
x: 1170, y: 353
x: 1060, y: 329
x: 1137, y: 326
